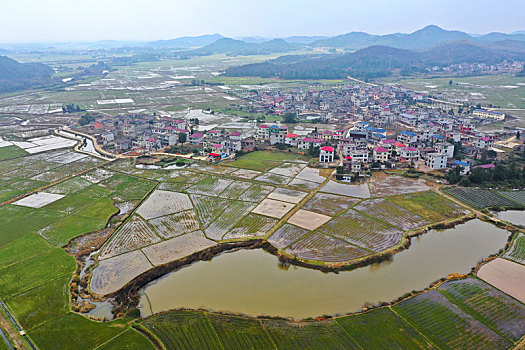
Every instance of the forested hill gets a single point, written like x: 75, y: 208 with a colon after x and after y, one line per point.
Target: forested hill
x: 374, y: 61
x: 18, y: 76
x: 238, y: 47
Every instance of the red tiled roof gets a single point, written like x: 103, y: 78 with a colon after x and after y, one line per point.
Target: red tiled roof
x: 380, y: 150
x: 327, y: 149
x: 291, y: 135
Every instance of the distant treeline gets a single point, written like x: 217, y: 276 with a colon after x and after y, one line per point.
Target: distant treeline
x: 373, y: 62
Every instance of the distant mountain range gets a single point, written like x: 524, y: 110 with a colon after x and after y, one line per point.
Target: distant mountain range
x: 424, y: 38
x: 380, y: 60
x: 18, y: 76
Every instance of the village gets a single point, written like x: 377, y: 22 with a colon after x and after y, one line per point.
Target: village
x: 356, y: 128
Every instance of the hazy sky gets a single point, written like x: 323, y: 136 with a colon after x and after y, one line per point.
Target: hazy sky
x: 71, y: 20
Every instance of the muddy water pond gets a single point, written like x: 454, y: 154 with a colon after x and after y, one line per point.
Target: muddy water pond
x: 516, y: 217
x: 252, y: 281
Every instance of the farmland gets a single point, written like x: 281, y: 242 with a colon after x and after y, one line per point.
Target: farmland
x: 495, y: 309
x: 429, y: 205
x: 169, y: 215
x: 362, y: 230
x: 391, y: 213
x: 461, y: 314
x: 446, y: 325
x: 482, y: 198
x: 318, y: 246
x: 395, y: 333
x: 262, y: 161
x: 517, y: 250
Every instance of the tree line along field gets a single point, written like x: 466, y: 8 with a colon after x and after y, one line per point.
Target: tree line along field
x: 460, y: 314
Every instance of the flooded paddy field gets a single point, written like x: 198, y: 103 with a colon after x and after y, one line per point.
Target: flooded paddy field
x: 515, y: 217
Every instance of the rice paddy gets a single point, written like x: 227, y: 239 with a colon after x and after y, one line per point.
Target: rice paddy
x: 189, y: 212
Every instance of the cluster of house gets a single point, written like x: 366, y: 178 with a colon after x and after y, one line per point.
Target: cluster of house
x: 353, y: 125
x: 479, y: 68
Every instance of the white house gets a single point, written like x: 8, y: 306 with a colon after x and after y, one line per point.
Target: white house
x: 411, y: 154
x: 446, y: 148
x: 436, y: 161
x: 380, y: 154
x: 326, y: 154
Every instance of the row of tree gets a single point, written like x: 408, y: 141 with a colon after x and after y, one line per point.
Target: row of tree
x: 502, y: 175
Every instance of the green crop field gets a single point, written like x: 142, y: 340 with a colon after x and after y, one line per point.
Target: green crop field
x: 183, y: 330
x: 75, y: 332
x: 429, y: 205
x: 34, y: 271
x: 11, y: 152
x: 69, y: 204
x: 41, y: 303
x: 517, y: 252
x: 34, y: 277
x: 382, y: 329
x: 262, y: 160
x: 315, y: 335
x: 495, y: 309
x: 128, y: 340
x: 446, y: 325
x: 481, y: 198
x: 101, y: 209
x: 239, y: 333
x: 127, y: 188
x: 516, y: 196
x: 21, y: 249
x: 61, y: 232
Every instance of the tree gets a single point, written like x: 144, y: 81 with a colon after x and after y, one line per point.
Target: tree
x: 182, y: 137
x: 500, y: 173
x: 492, y: 154
x: 290, y: 118
x: 478, y: 175
x: 450, y: 82
x: 453, y: 175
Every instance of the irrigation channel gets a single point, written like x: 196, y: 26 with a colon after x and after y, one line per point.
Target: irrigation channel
x: 87, y: 143
x: 252, y: 282
x: 17, y: 326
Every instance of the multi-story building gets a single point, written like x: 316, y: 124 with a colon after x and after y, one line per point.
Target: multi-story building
x: 436, y: 161
x: 380, y: 154
x: 326, y: 154
x: 488, y: 114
